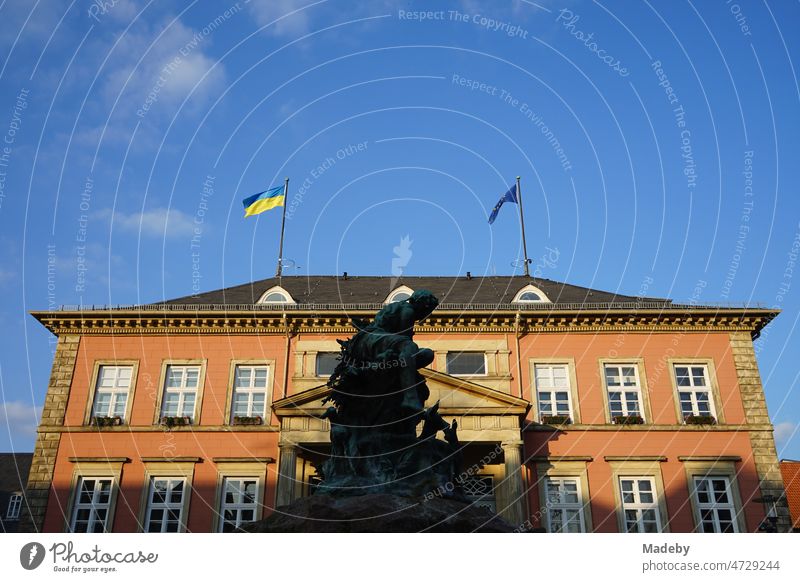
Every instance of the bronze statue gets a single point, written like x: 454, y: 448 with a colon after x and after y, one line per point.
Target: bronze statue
x: 379, y: 399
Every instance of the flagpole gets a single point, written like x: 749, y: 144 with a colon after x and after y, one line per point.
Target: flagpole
x: 522, y: 224
x: 279, y: 270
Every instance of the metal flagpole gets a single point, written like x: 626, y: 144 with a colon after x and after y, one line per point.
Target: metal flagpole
x: 279, y: 270
x: 522, y: 224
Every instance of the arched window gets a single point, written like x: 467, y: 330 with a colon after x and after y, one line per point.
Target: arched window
x: 400, y: 294
x: 531, y: 294
x: 276, y: 295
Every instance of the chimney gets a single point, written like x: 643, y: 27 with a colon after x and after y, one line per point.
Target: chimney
x: 469, y: 276
x: 344, y: 276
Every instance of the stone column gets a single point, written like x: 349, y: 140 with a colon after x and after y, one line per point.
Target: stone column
x: 287, y: 473
x: 514, y: 510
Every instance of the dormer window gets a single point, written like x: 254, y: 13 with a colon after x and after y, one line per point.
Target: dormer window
x: 276, y: 295
x: 400, y: 294
x: 531, y: 294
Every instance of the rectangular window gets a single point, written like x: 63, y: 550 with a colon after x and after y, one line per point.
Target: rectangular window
x: 466, y: 363
x: 326, y: 363
x: 165, y: 504
x: 715, y: 504
x: 624, y: 390
x: 250, y: 391
x: 111, y: 391
x: 14, y: 506
x: 553, y: 390
x: 564, y: 506
x: 239, y: 502
x: 92, y: 505
x: 180, y: 391
x: 639, y: 505
x: 694, y: 390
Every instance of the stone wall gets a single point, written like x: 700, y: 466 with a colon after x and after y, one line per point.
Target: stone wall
x: 49, y: 435
x: 761, y: 438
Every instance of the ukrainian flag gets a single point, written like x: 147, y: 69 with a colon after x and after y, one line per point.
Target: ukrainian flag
x: 263, y: 201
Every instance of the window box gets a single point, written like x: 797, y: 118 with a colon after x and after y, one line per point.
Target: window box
x: 170, y: 421
x: 556, y: 419
x: 698, y: 419
x: 101, y: 421
x: 628, y: 419
x: 247, y: 420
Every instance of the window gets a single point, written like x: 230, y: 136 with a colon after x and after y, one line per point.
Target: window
x: 276, y: 295
x: 165, y: 504
x: 530, y: 294
x: 92, y: 505
x: 715, y: 504
x: 111, y: 391
x: 552, y: 390
x: 250, y: 391
x: 180, y: 391
x: 239, y: 501
x: 639, y: 505
x: 624, y: 390
x: 563, y: 505
x: 466, y: 363
x: 400, y: 294
x: 14, y: 506
x: 694, y: 391
x: 326, y: 363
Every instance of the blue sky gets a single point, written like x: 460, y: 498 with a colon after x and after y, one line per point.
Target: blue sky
x: 657, y: 144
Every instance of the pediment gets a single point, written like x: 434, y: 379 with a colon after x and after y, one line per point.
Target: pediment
x: 457, y: 396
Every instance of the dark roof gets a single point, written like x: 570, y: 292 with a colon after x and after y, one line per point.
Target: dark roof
x: 330, y: 289
x: 14, y: 469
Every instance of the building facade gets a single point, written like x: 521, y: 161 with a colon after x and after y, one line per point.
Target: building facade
x: 578, y: 410
x: 14, y: 468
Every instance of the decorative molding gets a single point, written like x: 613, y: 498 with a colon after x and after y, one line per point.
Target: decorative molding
x: 98, y: 459
x: 559, y: 458
x: 159, y: 428
x: 171, y: 459
x: 655, y: 458
x: 262, y: 460
x: 710, y: 458
x: 336, y: 320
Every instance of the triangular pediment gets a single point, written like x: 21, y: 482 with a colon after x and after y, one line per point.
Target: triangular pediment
x: 457, y: 396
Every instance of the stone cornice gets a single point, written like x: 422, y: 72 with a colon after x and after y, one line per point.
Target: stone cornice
x: 214, y: 320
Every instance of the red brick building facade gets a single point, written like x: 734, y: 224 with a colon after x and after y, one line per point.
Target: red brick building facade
x: 578, y: 410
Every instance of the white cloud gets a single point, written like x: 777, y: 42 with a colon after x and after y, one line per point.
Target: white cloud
x: 784, y: 433
x: 158, y: 222
x: 285, y: 22
x: 19, y: 419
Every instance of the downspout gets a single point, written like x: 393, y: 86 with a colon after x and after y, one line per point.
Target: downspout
x: 517, y: 330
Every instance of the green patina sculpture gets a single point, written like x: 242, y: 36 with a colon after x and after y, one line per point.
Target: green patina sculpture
x: 378, y: 398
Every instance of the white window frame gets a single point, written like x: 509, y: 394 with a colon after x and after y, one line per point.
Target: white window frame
x: 563, y: 505
x: 250, y: 390
x: 116, y: 391
x: 182, y: 390
x: 285, y: 296
x: 392, y: 297
x: 239, y: 506
x: 461, y: 352
x: 552, y: 390
x: 93, y: 505
x: 531, y: 289
x: 712, y: 505
x: 692, y: 390
x: 637, y: 504
x: 14, y: 506
x: 622, y: 389
x: 167, y: 505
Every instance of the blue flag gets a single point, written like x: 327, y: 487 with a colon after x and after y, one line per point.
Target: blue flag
x: 510, y: 196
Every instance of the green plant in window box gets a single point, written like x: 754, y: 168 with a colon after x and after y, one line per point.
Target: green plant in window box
x: 628, y: 419
x: 171, y: 421
x: 102, y: 421
x: 699, y: 419
x: 556, y: 419
x: 247, y: 420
